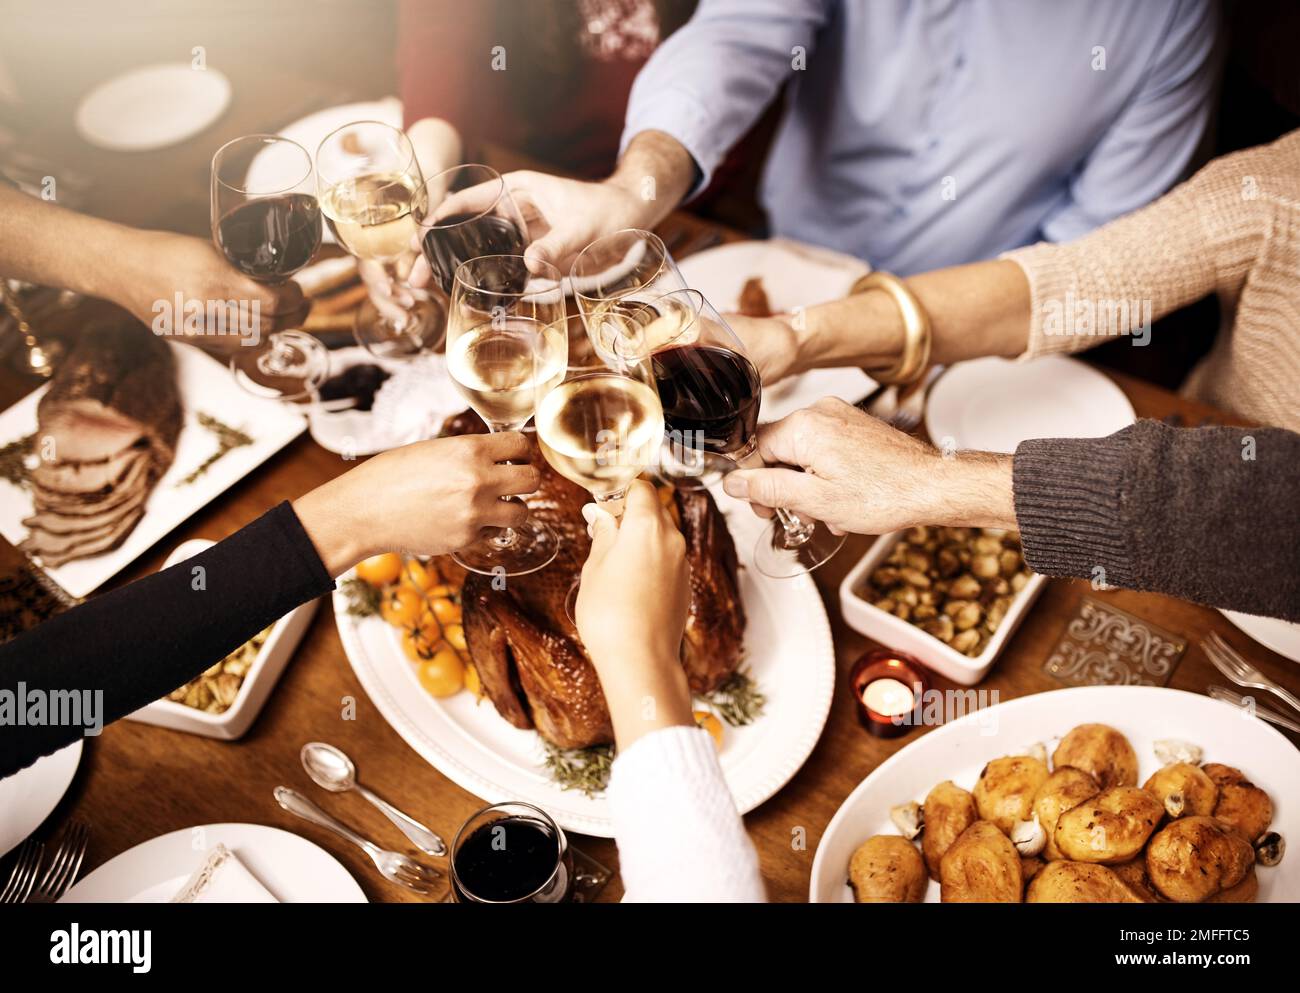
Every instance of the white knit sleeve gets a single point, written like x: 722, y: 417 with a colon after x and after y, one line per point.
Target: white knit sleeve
x: 679, y: 837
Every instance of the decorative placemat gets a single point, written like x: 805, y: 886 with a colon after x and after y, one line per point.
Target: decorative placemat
x: 27, y: 595
x: 1105, y: 646
x: 589, y: 878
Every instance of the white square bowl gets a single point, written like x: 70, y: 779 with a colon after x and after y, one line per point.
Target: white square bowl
x: 258, y: 682
x: 861, y: 615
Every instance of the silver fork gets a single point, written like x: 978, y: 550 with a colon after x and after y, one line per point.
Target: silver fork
x: 1251, y: 706
x: 1229, y: 662
x: 393, y: 866
x: 64, y: 866
x: 24, y: 872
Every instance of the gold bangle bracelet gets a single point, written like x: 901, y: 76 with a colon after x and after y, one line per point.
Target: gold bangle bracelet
x: 916, y: 328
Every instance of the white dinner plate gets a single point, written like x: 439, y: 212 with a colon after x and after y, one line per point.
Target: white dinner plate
x: 993, y: 404
x: 1145, y: 714
x: 794, y: 275
x: 30, y: 795
x: 1281, y: 636
x: 152, y: 107
x: 292, y: 868
x: 788, y: 652
x: 205, y: 386
x: 267, y: 171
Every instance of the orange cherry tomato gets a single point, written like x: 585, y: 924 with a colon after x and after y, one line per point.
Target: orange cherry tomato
x: 443, y: 675
x: 401, y: 606
x: 472, y: 681
x: 420, y: 644
x: 710, y: 723
x: 380, y: 570
x: 419, y: 575
x: 455, y: 635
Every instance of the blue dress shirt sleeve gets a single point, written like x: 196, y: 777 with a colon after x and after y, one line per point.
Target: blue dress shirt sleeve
x: 1150, y: 146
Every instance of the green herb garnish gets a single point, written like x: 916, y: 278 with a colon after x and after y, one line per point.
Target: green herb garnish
x: 738, y: 700
x: 228, y: 438
x: 13, y: 457
x: 363, y: 599
x: 585, y: 769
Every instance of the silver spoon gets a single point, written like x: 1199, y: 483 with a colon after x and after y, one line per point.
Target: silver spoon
x: 332, y: 770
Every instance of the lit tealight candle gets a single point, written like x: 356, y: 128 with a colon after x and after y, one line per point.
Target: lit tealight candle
x: 889, y: 697
x: 889, y: 687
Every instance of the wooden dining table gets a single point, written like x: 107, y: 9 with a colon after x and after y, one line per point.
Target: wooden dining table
x: 138, y: 781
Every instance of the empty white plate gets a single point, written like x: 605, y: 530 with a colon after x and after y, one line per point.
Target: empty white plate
x: 1271, y: 632
x: 30, y: 795
x: 993, y: 404
x: 292, y: 868
x: 152, y: 107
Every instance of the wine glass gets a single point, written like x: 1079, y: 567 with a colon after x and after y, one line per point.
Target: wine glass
x: 372, y: 194
x: 503, y: 347
x: 618, y: 274
x: 711, y: 394
x: 470, y: 213
x: 511, y: 852
x: 600, y: 426
x: 266, y: 222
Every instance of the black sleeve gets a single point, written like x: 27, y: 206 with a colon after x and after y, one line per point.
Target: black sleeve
x: 142, y: 641
x: 1207, y: 514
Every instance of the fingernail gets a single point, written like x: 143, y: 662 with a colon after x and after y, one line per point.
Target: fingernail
x: 736, y: 485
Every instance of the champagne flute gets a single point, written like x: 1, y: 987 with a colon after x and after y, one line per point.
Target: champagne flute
x: 372, y: 193
x: 503, y: 347
x: 618, y: 274
x: 266, y: 222
x: 711, y: 394
x: 470, y: 214
x: 600, y: 426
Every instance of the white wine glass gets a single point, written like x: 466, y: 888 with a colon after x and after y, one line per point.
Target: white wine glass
x: 373, y: 196
x: 504, y: 348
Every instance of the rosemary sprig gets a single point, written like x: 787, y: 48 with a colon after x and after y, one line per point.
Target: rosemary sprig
x: 12, y: 459
x: 363, y: 599
x: 228, y: 438
x: 738, y: 701
x: 585, y: 769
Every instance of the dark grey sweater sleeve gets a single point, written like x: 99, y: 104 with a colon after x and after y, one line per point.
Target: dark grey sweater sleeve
x: 1206, y: 514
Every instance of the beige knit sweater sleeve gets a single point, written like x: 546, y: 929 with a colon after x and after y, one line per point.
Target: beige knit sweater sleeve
x: 1206, y: 235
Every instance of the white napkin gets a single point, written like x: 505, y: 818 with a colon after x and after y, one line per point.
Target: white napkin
x: 222, y: 878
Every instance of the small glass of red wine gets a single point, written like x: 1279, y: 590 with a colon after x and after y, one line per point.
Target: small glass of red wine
x: 511, y: 853
x: 470, y: 214
x: 267, y: 224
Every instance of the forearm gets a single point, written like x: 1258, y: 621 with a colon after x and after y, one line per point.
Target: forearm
x: 1205, y: 514
x: 644, y: 695
x: 974, y: 310
x: 43, y: 243
x: 134, y: 645
x: 656, y: 169
x: 335, y: 520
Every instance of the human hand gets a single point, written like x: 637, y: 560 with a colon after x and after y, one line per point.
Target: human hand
x: 631, y: 613
x: 771, y: 343
x: 862, y: 476
x: 428, y: 498
x: 157, y: 265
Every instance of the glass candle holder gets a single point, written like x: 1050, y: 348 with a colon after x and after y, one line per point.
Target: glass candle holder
x: 888, y: 689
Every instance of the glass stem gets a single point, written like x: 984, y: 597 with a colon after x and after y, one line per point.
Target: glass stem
x: 796, y: 530
x: 612, y: 502
x: 506, y: 537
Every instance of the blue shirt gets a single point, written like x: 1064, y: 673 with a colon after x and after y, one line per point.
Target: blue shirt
x: 926, y: 133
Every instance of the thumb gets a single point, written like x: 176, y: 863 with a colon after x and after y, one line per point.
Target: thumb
x: 771, y: 487
x: 601, y: 526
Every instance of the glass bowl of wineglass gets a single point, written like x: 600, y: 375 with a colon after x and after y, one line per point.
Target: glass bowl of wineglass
x: 469, y: 214
x: 372, y: 194
x: 269, y: 228
x: 504, y: 338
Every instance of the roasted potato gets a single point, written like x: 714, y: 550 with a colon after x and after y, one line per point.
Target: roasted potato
x: 949, y: 810
x: 1005, y: 790
x: 1184, y: 790
x: 1244, y: 892
x: 1241, y: 803
x: 1066, y: 787
x: 1030, y: 867
x: 1195, y: 858
x: 1134, y: 875
x: 1079, y: 882
x: 982, y: 866
x: 1101, y: 751
x: 1109, y: 827
x: 887, y: 868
